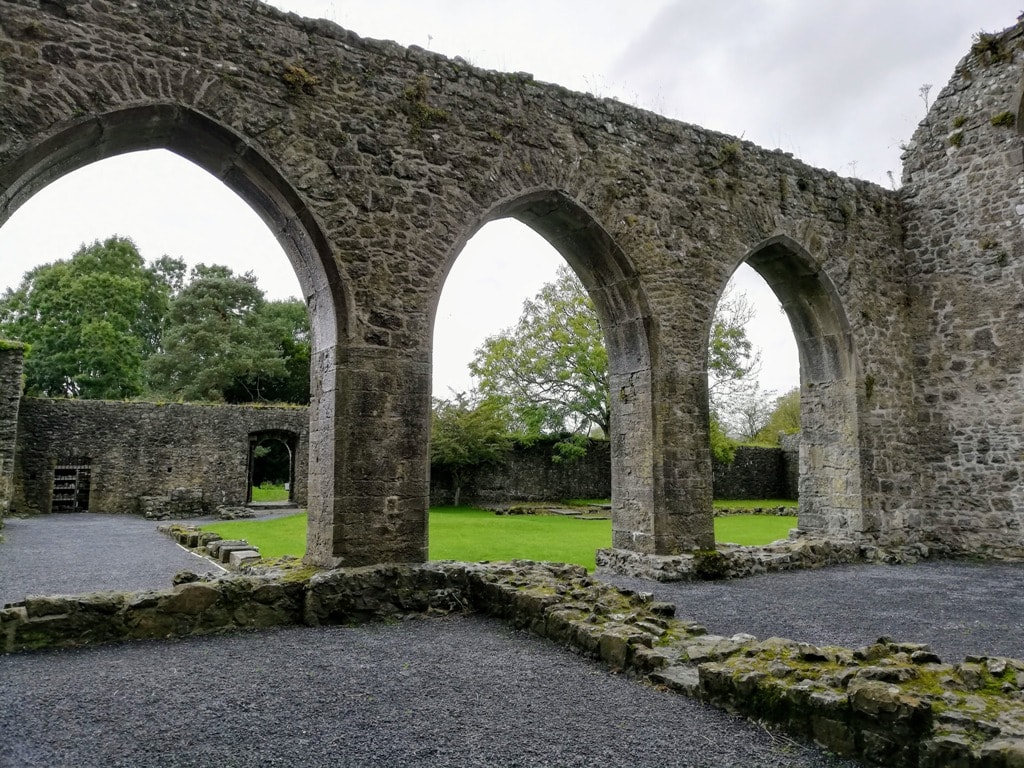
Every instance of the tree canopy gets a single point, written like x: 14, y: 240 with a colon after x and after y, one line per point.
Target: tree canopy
x: 91, y: 320
x: 104, y: 324
x: 549, y: 372
x: 784, y: 419
x: 219, y: 339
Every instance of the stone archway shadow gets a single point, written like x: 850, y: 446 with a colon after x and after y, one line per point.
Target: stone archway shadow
x: 830, y: 468
x: 243, y: 169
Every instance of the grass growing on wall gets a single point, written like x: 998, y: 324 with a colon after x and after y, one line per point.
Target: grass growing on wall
x: 470, y: 534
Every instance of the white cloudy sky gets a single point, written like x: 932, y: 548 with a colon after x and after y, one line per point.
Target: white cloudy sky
x: 835, y: 82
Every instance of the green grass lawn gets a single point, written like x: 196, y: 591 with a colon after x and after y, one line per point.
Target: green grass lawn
x: 268, y: 492
x: 466, y: 533
x: 752, y: 530
x: 275, y: 537
x: 753, y: 503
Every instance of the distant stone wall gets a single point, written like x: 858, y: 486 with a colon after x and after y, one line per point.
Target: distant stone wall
x: 137, y: 451
x: 755, y: 473
x: 10, y: 397
x: 529, y: 474
x: 790, y: 445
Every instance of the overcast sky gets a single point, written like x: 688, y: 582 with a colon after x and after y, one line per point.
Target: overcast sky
x: 837, y: 83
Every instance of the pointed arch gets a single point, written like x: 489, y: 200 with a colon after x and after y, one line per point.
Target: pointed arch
x: 612, y: 283
x: 214, y: 148
x: 250, y: 174
x: 830, y: 461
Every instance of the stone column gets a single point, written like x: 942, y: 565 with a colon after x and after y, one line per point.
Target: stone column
x: 11, y: 367
x: 683, y: 519
x: 369, y: 480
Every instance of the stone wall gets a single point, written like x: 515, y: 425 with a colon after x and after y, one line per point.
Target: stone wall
x: 136, y: 451
x: 893, y: 704
x: 529, y: 474
x: 10, y: 399
x: 755, y: 473
x: 376, y: 164
x: 964, y: 219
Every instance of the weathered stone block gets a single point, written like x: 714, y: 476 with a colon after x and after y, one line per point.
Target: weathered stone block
x: 239, y: 557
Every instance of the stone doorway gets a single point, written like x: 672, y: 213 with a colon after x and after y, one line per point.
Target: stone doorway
x: 71, y: 483
x: 272, y: 464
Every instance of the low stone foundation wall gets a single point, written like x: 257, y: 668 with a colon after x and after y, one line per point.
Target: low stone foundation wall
x: 730, y: 561
x: 777, y: 511
x: 892, y: 704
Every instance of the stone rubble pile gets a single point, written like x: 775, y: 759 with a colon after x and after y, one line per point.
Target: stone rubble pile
x: 234, y: 553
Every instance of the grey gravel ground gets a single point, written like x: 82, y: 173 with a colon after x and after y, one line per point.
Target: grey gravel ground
x: 959, y: 608
x: 441, y: 692
x: 428, y: 692
x: 72, y: 553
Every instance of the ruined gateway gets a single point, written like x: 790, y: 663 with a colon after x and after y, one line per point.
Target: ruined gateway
x: 374, y: 164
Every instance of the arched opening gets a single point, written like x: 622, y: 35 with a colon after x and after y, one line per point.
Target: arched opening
x: 830, y: 474
x: 272, y: 467
x: 514, y: 449
x: 610, y: 281
x: 243, y: 169
x: 754, y: 391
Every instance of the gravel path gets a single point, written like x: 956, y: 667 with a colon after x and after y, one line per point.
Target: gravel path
x: 959, y: 608
x: 430, y: 692
x: 462, y: 691
x: 72, y: 553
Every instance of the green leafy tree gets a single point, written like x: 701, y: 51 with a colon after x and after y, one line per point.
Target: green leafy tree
x: 550, y: 371
x: 735, y: 397
x: 286, y: 324
x: 214, y: 339
x: 466, y: 435
x: 92, y: 320
x: 783, y: 420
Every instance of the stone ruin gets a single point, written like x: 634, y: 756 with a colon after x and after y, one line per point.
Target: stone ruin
x: 892, y: 704
x: 374, y: 164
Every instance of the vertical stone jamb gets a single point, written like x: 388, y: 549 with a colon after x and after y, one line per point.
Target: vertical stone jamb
x: 11, y: 367
x: 369, y: 499
x: 683, y: 517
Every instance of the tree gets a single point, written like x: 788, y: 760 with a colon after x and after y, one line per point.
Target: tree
x: 749, y: 412
x: 550, y: 371
x: 784, y: 420
x: 466, y: 435
x: 215, y: 339
x: 735, y: 397
x: 92, y: 320
x: 286, y: 324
